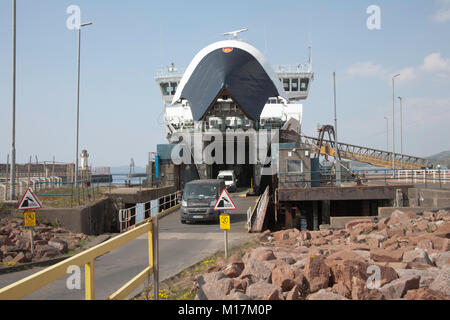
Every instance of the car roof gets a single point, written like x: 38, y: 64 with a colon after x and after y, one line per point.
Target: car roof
x: 205, y: 182
x: 231, y: 172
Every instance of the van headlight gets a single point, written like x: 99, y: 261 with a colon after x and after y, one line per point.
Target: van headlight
x: 184, y: 203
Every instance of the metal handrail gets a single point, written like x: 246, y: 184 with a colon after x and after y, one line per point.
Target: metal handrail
x: 41, y: 279
x: 127, y: 215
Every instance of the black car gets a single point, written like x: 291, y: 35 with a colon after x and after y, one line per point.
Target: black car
x: 199, y: 199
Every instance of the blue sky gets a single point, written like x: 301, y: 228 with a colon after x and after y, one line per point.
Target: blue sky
x: 121, y: 108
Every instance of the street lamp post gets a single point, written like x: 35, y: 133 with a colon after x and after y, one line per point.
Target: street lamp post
x: 401, y: 128
x: 393, y: 124
x: 13, y: 144
x: 78, y: 107
x: 387, y: 132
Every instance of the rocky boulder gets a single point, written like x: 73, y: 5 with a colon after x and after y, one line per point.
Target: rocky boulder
x: 398, y: 288
x: 442, y: 281
x: 317, y: 273
x: 264, y: 291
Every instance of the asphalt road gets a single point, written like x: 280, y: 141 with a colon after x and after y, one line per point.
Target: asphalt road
x: 181, y: 246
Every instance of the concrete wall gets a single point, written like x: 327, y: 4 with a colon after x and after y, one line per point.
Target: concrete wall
x: 387, y: 212
x: 95, y: 219
x: 429, y: 198
x: 340, y: 194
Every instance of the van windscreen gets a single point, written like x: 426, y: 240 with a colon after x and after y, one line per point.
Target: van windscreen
x: 200, y: 192
x: 226, y: 178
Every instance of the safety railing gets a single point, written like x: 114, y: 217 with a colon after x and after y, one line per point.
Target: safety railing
x: 326, y: 177
x: 257, y: 216
x: 432, y: 176
x: 128, y: 217
x: 33, y: 283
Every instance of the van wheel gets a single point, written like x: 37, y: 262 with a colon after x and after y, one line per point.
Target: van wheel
x: 183, y: 221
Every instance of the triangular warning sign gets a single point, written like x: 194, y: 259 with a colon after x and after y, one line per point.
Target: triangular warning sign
x: 29, y: 201
x: 225, y: 203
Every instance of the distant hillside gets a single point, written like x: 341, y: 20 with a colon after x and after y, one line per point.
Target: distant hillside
x: 442, y: 158
x: 439, y: 156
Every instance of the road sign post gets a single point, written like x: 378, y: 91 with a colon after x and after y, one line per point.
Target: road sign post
x: 225, y: 203
x: 29, y: 204
x: 225, y: 225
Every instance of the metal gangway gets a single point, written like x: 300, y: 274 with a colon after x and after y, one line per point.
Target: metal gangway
x: 367, y: 155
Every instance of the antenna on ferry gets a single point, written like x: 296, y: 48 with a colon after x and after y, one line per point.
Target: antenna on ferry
x: 235, y: 33
x: 310, y: 59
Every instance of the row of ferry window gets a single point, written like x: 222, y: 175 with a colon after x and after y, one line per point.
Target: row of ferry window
x: 295, y: 84
x: 289, y: 84
x: 169, y: 88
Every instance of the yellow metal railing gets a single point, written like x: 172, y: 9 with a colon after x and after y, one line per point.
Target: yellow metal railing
x: 87, y: 258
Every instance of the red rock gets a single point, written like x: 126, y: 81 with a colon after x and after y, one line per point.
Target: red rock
x: 345, y: 255
x: 442, y: 281
x: 264, y: 235
x: 295, y: 294
x: 398, y: 288
x: 382, y: 224
x: 430, y: 216
x: 392, y: 232
x: 59, y: 244
x: 341, y: 289
x: 306, y: 235
x: 237, y: 296
x: 446, y: 245
x: 281, y: 235
x: 441, y: 215
x: 325, y: 295
x: 240, y: 284
x: 319, y: 242
x: 351, y: 224
x: 7, y: 259
x: 216, y: 290
x: 382, y: 255
x: 444, y: 230
x: 344, y: 271
x: 287, y: 277
x: 425, y: 294
x: 401, y: 217
x: 20, y: 258
x: 260, y: 254
x: 417, y: 256
x: 397, y: 265
x: 317, y: 272
x: 361, y: 292
x: 425, y: 244
x: 233, y: 270
x: 421, y: 225
x: 257, y: 269
x: 264, y: 291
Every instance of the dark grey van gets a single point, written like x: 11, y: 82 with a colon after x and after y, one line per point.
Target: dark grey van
x: 199, y: 198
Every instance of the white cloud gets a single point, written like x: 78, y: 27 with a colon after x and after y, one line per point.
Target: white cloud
x: 367, y: 69
x: 434, y: 66
x: 443, y: 13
